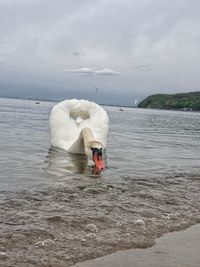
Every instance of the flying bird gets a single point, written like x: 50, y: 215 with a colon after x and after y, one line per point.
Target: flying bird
x: 96, y: 89
x: 143, y: 67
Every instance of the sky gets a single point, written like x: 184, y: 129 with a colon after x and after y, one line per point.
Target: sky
x: 109, y: 51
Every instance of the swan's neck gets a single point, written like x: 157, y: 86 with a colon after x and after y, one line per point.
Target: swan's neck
x: 89, y: 142
x: 87, y: 136
x: 93, y: 148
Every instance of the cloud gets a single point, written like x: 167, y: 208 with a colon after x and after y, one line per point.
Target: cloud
x: 90, y: 71
x: 140, y: 46
x: 107, y: 72
x: 85, y: 71
x: 3, y: 57
x: 77, y: 54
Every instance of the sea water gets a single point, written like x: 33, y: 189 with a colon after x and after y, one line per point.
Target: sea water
x: 152, y: 176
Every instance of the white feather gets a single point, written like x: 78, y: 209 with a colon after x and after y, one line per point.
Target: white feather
x: 69, y: 117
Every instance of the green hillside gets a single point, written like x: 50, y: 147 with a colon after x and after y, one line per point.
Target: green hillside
x: 183, y: 101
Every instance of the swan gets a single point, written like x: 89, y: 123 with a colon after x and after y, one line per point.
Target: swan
x: 80, y: 126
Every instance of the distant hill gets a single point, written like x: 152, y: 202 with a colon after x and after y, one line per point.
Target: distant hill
x: 183, y: 101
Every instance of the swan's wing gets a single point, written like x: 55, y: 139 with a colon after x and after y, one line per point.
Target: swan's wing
x: 63, y: 129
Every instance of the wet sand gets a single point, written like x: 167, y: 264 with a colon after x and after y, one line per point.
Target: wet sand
x: 177, y: 249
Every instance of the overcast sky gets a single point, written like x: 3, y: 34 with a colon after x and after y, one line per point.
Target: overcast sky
x: 105, y: 50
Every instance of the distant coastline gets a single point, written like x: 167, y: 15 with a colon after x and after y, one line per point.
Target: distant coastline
x: 58, y: 100
x: 30, y: 98
x: 182, y: 101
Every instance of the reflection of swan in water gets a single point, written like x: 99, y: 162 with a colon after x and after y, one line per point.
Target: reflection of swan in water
x: 61, y: 163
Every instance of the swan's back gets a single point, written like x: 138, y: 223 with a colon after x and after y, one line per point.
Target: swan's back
x: 69, y: 117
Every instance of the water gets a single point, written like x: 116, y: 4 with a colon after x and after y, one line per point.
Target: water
x: 152, y: 175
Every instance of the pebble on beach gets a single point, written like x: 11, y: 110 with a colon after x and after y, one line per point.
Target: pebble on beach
x: 3, y: 256
x: 140, y: 222
x: 44, y: 243
x: 90, y: 236
x: 91, y: 228
x: 83, y: 240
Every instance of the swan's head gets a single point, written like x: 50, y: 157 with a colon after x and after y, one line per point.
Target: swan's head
x: 95, y: 151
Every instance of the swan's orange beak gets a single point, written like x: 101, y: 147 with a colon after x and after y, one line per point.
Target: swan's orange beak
x: 99, y: 162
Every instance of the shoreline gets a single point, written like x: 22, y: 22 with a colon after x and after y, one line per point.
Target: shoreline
x: 175, y: 249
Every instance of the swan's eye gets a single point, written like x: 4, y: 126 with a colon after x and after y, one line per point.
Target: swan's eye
x: 100, y: 152
x: 97, y: 151
x: 94, y: 150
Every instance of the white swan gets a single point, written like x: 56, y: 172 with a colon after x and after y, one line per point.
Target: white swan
x: 80, y: 126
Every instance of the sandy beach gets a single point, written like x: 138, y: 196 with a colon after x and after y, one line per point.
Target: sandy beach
x: 176, y: 249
